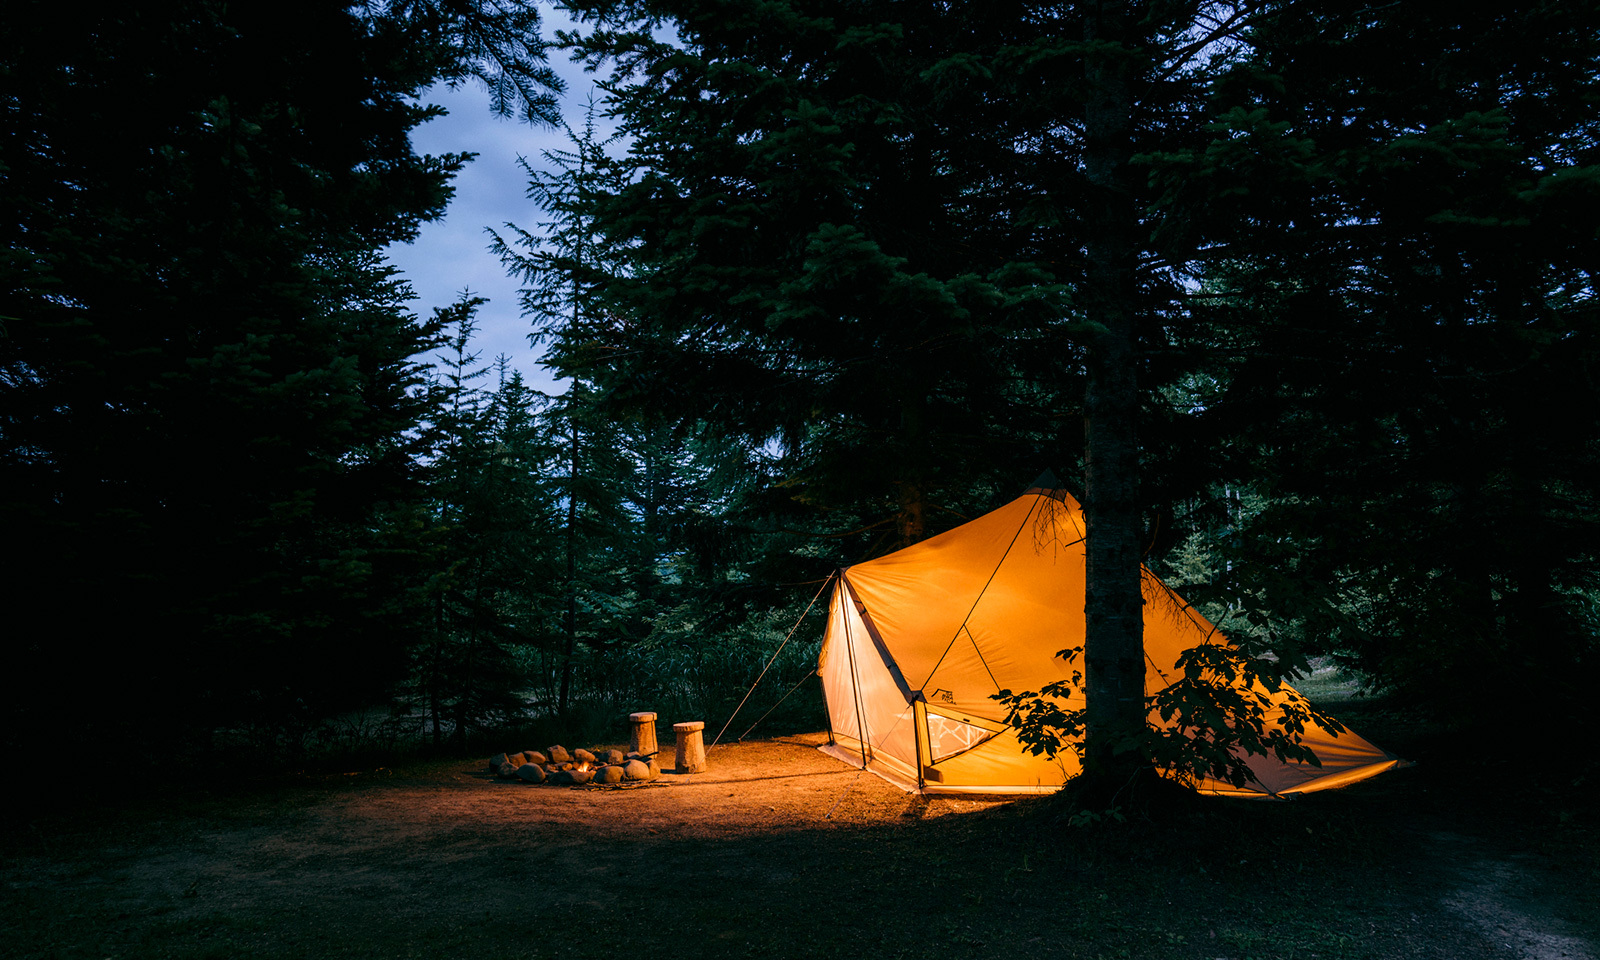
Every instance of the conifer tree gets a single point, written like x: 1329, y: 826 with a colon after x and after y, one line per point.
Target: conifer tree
x: 560, y: 304
x: 620, y: 473
x: 493, y: 508
x: 876, y: 239
x: 810, y: 271
x: 911, y: 243
x: 207, y: 390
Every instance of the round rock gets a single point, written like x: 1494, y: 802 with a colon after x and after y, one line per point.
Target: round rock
x: 531, y: 772
x: 559, y: 754
x: 614, y: 756
x: 583, y: 756
x: 534, y: 756
x: 579, y: 775
x: 610, y: 773
x: 635, y: 770
x: 507, y: 770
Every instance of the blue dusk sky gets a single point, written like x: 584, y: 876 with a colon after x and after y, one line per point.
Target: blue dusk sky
x: 452, y: 254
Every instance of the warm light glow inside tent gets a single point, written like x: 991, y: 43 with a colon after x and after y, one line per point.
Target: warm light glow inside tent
x: 919, y: 640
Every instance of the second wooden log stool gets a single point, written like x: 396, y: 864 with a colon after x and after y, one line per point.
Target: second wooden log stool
x: 691, y: 747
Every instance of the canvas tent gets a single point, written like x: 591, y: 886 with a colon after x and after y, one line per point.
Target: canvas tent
x: 918, y: 640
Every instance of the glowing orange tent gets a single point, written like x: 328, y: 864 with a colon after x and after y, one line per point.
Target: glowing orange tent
x: 917, y: 641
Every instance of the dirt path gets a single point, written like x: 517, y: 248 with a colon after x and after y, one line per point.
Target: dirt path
x: 1506, y: 898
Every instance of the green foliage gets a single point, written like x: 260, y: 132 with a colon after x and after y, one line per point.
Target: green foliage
x: 1095, y: 818
x: 1222, y: 709
x: 628, y: 481
x: 804, y: 269
x: 492, y: 511
x: 1395, y: 376
x: 693, y: 667
x: 496, y: 44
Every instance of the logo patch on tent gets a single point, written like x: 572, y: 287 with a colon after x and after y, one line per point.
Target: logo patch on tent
x: 943, y: 696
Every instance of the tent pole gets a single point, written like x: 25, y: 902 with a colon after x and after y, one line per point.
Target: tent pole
x: 827, y: 708
x: 919, y: 727
x: 855, y: 676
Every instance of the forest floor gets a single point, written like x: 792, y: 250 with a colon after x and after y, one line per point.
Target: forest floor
x: 781, y: 851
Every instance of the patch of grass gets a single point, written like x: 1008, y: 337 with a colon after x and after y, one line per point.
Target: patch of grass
x: 1329, y: 684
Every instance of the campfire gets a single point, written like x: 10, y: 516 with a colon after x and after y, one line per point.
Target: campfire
x: 556, y: 766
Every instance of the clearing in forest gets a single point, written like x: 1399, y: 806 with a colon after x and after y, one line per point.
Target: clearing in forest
x: 780, y: 851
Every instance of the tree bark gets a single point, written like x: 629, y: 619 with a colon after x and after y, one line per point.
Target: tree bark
x: 1113, y: 604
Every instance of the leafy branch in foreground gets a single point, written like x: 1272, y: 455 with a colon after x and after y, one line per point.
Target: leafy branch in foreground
x: 1225, y: 708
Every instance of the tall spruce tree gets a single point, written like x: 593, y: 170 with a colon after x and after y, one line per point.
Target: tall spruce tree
x: 812, y: 269
x: 911, y: 245
x: 633, y: 486
x: 492, y: 511
x: 877, y: 239
x: 207, y: 391
x: 561, y: 305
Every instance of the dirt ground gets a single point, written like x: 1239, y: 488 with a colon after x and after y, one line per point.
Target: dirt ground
x: 776, y: 850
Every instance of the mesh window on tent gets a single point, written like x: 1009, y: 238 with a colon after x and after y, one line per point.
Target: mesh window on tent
x: 948, y: 737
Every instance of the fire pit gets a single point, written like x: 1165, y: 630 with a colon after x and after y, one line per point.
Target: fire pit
x: 556, y: 765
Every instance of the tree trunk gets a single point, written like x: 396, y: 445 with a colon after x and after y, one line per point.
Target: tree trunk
x: 911, y: 521
x: 463, y: 697
x: 1113, y: 605
x: 572, y: 569
x: 434, y: 669
x: 573, y: 399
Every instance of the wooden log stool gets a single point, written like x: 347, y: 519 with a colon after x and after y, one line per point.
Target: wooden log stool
x: 691, y: 747
x: 643, y: 738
